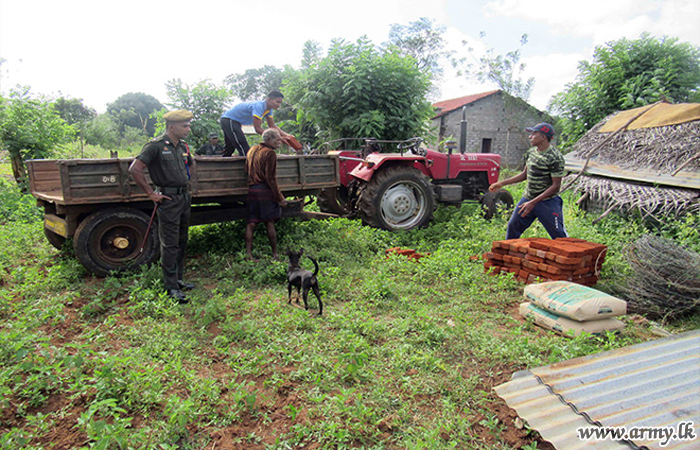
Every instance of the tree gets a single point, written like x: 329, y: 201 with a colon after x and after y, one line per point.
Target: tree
x: 103, y: 130
x: 505, y: 71
x: 422, y: 40
x: 361, y: 91
x: 30, y: 128
x: 205, y: 100
x: 73, y: 112
x: 255, y: 84
x: 626, y: 74
x: 134, y: 110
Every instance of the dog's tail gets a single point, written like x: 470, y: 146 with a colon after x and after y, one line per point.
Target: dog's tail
x: 315, y: 264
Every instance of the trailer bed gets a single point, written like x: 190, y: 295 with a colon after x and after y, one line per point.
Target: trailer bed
x: 96, y: 181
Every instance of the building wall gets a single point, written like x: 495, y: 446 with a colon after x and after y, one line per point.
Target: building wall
x: 488, y: 118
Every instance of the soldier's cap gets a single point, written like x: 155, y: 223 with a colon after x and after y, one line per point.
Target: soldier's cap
x: 179, y: 115
x: 213, y: 135
x: 544, y: 128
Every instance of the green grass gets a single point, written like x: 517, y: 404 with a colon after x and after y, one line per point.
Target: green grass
x: 404, y: 357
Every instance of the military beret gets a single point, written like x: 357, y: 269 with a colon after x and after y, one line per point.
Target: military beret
x: 180, y: 115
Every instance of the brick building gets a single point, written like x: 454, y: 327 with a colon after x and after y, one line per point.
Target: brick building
x: 495, y: 123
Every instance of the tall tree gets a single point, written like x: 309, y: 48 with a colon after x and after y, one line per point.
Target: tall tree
x: 205, y: 100
x: 73, y: 112
x: 505, y: 71
x: 30, y: 128
x: 359, y: 90
x: 423, y: 41
x: 134, y: 110
x: 254, y: 84
x: 626, y: 74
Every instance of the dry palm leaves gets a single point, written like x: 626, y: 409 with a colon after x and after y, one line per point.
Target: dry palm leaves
x: 665, y: 280
x: 650, y: 201
x: 663, y: 149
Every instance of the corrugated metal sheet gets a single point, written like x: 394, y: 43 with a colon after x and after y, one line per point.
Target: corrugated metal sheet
x: 653, y: 384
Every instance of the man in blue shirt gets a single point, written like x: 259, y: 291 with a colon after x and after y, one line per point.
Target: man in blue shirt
x: 249, y: 113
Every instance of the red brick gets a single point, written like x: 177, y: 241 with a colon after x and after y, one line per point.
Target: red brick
x: 493, y: 256
x: 529, y: 257
x: 530, y: 264
x: 582, y: 271
x: 569, y: 261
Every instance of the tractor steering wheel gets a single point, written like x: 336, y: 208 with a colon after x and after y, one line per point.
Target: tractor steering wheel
x: 413, y: 146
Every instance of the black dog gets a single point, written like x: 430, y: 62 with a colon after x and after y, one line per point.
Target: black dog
x: 302, y: 279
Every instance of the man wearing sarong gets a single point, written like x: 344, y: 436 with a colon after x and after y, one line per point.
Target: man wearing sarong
x: 265, y: 200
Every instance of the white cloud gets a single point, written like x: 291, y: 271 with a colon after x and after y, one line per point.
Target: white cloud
x: 605, y: 20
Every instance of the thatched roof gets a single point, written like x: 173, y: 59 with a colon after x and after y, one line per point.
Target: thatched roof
x: 663, y: 149
x: 652, y: 169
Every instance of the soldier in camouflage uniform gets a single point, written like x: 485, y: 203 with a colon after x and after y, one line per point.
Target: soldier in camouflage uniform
x: 544, y: 169
x: 168, y: 160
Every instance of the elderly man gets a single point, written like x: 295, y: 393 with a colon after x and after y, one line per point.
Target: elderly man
x: 249, y: 113
x: 544, y: 169
x: 265, y: 200
x: 168, y: 160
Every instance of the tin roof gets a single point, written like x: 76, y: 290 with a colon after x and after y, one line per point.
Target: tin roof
x: 446, y: 106
x: 653, y: 384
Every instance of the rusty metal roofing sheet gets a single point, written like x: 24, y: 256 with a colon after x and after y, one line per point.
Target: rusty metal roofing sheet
x: 653, y: 384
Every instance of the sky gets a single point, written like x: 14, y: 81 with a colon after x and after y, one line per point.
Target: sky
x: 97, y: 51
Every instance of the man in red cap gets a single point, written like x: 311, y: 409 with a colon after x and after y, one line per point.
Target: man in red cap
x: 544, y: 170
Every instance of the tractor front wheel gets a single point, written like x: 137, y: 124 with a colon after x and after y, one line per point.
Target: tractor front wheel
x: 495, y: 203
x: 397, y: 198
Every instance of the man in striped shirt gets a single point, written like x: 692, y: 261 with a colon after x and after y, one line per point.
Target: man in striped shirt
x: 544, y: 170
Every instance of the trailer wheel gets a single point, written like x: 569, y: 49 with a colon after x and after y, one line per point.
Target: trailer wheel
x: 334, y: 201
x: 54, y: 239
x: 110, y: 240
x: 397, y: 198
x: 495, y: 203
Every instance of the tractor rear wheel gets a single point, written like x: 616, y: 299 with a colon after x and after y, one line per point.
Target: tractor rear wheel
x: 397, y: 198
x: 334, y: 201
x: 110, y: 240
x: 497, y: 203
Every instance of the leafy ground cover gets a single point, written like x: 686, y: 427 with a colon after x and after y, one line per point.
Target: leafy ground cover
x: 404, y: 357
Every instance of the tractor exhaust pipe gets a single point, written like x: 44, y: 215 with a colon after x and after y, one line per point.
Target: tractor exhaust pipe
x: 463, y: 131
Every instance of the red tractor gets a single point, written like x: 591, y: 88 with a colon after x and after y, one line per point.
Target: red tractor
x: 398, y: 191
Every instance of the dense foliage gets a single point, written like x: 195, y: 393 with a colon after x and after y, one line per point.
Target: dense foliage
x: 30, y: 128
x: 359, y: 90
x: 135, y: 110
x: 205, y: 100
x: 255, y: 84
x: 625, y: 74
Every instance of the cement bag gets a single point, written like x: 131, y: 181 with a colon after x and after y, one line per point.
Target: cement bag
x: 574, y: 301
x: 565, y: 326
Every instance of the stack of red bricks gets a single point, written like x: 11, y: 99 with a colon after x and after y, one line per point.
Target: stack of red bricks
x: 533, y: 259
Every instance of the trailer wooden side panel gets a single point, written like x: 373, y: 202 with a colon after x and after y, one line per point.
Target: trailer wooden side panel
x: 92, y: 181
